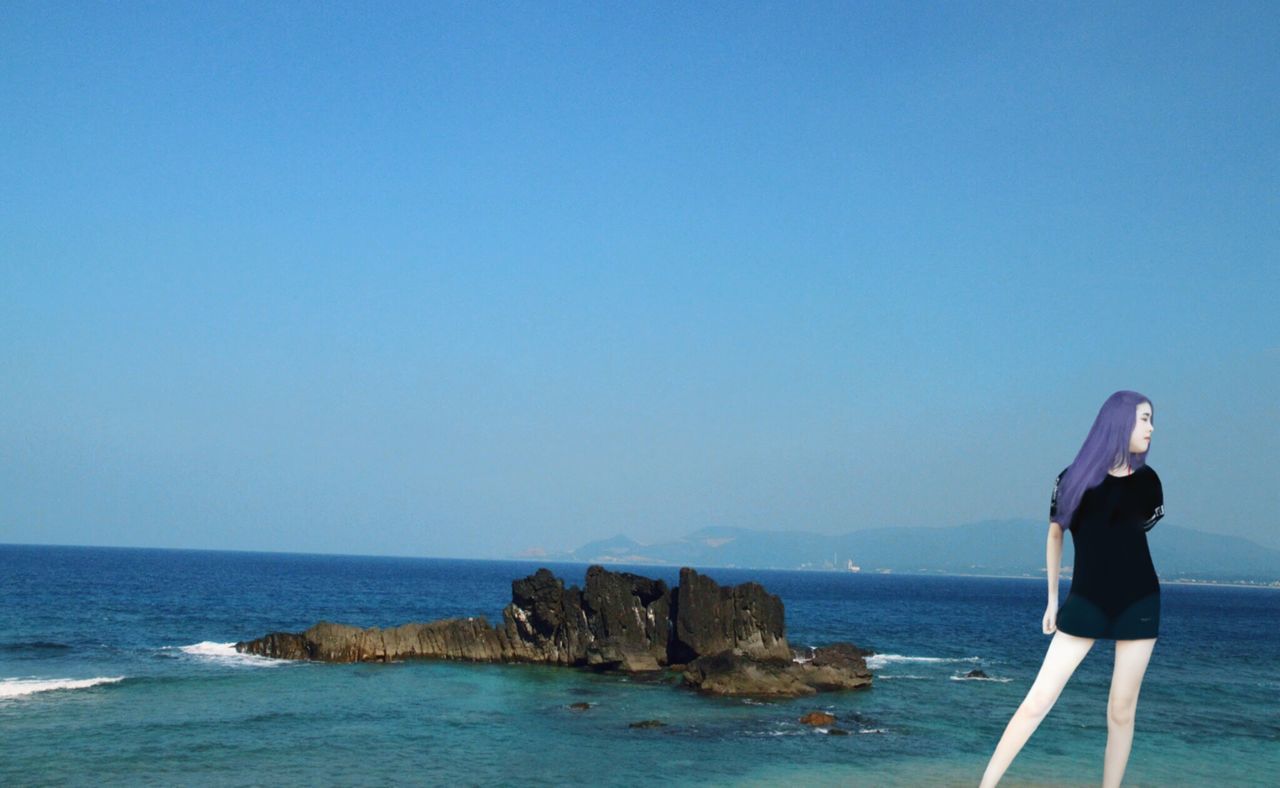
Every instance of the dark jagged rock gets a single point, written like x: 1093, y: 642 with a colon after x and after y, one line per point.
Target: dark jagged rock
x: 710, y: 619
x: 545, y: 622
x: 630, y: 619
x: 732, y: 638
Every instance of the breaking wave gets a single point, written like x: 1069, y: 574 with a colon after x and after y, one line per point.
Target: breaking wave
x: 877, y: 661
x: 17, y: 688
x: 226, y: 654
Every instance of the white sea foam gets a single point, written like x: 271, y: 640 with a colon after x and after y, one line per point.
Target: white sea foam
x: 226, y: 654
x: 16, y: 688
x: 877, y: 661
x: 979, y: 678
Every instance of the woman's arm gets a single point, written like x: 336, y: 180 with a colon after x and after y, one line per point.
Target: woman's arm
x: 1053, y: 560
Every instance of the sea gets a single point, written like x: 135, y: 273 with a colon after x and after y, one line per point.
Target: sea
x: 118, y: 667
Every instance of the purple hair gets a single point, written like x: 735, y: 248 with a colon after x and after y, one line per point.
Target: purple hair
x: 1106, y: 447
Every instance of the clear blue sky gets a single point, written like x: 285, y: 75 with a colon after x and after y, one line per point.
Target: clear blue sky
x: 466, y: 279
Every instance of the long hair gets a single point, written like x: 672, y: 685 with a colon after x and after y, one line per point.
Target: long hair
x: 1106, y: 447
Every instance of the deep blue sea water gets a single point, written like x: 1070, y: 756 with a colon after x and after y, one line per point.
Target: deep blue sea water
x: 116, y: 668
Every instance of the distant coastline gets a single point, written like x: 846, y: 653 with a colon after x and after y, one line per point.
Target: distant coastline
x: 995, y: 548
x: 609, y: 561
x: 1274, y: 585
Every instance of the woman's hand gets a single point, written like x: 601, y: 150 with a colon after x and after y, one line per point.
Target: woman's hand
x: 1050, y: 622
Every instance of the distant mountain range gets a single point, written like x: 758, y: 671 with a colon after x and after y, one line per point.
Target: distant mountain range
x: 995, y: 547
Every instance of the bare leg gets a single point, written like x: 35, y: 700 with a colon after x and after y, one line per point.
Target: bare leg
x: 1132, y: 657
x: 1060, y: 661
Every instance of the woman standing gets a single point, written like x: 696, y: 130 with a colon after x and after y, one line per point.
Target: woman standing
x: 1109, y: 498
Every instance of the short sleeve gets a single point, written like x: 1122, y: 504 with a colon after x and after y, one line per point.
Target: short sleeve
x: 1155, y: 502
x: 1053, y: 499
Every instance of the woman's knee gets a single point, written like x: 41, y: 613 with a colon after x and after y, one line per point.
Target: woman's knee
x: 1122, y: 712
x: 1038, y: 702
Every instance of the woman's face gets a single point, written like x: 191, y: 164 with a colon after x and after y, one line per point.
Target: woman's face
x: 1140, y: 440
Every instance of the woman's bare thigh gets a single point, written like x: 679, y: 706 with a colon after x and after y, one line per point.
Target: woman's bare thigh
x: 1060, y: 661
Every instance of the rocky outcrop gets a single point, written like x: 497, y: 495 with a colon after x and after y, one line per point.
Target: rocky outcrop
x: 837, y: 667
x: 727, y: 673
x: 732, y: 638
x: 462, y: 638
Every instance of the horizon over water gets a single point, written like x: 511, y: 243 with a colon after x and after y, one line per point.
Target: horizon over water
x: 117, y: 665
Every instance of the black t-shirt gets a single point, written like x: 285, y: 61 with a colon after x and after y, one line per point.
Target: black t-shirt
x: 1109, y: 529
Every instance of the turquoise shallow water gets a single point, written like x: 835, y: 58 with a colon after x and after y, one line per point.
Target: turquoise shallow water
x: 186, y: 710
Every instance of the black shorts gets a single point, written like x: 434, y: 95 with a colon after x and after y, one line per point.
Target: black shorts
x: 1140, y: 620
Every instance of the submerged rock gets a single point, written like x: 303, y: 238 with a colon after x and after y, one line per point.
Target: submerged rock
x: 648, y: 724
x: 727, y: 640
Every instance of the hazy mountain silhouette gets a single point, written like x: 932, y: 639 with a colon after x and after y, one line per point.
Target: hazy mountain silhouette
x: 1000, y: 547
